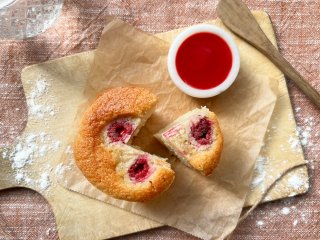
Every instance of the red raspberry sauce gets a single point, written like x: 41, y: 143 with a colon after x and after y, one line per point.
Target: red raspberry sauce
x: 139, y: 171
x: 204, y: 60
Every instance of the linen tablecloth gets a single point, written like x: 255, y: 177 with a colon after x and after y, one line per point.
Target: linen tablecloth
x: 24, y: 214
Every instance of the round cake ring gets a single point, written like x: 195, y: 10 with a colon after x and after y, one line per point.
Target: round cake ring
x: 101, y: 148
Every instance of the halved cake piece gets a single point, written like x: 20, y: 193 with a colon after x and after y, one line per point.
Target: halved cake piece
x: 195, y: 138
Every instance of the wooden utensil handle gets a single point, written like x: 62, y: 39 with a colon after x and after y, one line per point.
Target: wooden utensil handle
x: 273, y: 54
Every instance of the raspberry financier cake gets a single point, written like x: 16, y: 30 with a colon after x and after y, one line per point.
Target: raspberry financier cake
x: 101, y: 151
x: 195, y: 138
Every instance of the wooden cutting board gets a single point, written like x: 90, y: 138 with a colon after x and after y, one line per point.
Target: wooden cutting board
x: 79, y: 217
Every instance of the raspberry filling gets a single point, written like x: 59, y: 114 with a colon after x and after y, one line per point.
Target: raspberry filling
x: 139, y: 171
x: 120, y: 130
x: 202, y: 131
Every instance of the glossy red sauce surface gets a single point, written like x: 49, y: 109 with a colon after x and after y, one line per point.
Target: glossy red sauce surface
x: 204, y: 60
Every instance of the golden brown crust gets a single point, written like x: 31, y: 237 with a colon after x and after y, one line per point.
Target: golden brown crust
x: 207, y: 161
x: 97, y: 161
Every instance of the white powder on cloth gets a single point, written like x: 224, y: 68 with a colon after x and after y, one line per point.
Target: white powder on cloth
x: 303, y: 135
x: 260, y: 223
x: 285, y: 211
x: 50, y: 231
x: 306, y: 132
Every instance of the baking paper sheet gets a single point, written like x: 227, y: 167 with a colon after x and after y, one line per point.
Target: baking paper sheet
x: 207, y: 207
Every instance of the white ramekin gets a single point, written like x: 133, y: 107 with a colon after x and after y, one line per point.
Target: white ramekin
x: 195, y: 92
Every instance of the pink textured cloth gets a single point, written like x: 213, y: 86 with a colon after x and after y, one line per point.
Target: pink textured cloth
x: 24, y: 214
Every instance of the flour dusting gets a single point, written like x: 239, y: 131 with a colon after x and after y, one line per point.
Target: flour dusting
x: 37, y: 145
x: 19, y: 177
x: 306, y: 132
x: 294, y: 144
x: 28, y: 148
x: 44, y: 181
x: 285, y: 211
x: 260, y: 223
x: 60, y: 169
x: 50, y: 231
x: 259, y: 172
x: 35, y: 108
x: 296, y: 182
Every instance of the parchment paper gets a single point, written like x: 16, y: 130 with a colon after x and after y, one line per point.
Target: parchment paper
x: 207, y: 207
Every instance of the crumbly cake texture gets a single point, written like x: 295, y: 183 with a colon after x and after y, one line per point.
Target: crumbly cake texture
x: 101, y: 151
x: 195, y: 138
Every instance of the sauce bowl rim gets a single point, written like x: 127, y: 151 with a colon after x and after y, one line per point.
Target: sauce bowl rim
x: 171, y: 62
